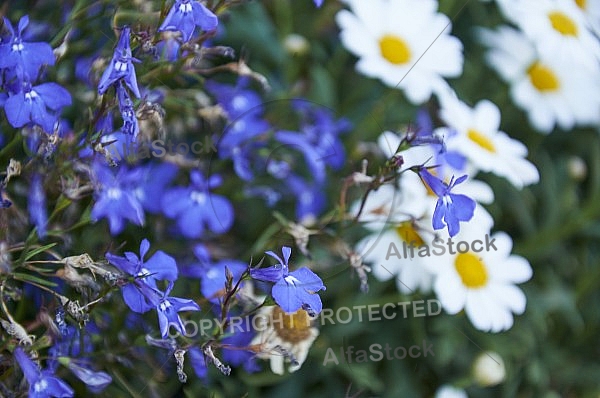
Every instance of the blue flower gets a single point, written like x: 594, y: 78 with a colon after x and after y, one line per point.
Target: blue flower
x: 319, y: 3
x: 450, y: 208
x: 195, y: 207
x: 37, y: 205
x: 168, y: 309
x: 121, y: 66
x: 39, y: 104
x: 152, y: 184
x: 115, y: 198
x: 291, y: 290
x: 310, y: 198
x: 185, y: 15
x: 28, y: 56
x: 42, y: 384
x: 130, y: 122
x: 212, y: 274
x: 141, y: 295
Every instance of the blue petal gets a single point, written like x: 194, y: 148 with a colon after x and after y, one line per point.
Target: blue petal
x: 308, y: 280
x: 29, y: 368
x: 18, y: 111
x: 134, y: 299
x: 463, y: 207
x: 287, y: 296
x: 122, y: 263
x: 54, y: 95
x: 439, y: 214
x: 219, y: 216
x: 204, y: 17
x: 269, y: 274
x: 162, y: 266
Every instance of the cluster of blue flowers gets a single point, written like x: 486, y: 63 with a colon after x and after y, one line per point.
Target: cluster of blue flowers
x: 21, y: 64
x: 248, y: 134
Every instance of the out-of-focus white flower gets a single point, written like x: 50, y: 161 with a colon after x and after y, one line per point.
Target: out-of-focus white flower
x: 552, y: 90
x: 485, y: 146
x: 447, y: 391
x: 405, y: 43
x: 556, y: 27
x: 488, y: 369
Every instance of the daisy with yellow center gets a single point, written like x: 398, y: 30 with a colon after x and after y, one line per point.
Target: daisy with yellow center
x: 479, y: 139
x: 553, y: 90
x: 283, y: 338
x: 482, y: 283
x: 405, y: 43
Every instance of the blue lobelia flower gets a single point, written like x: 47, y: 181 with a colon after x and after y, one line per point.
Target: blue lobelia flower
x: 130, y: 122
x: 310, y: 198
x: 195, y: 207
x: 212, y: 274
x: 121, y: 66
x: 319, y: 3
x: 42, y: 384
x: 37, y: 205
x: 185, y: 15
x: 292, y: 290
x: 152, y: 184
x: 168, y: 312
x: 141, y: 295
x: 95, y: 381
x: 28, y: 56
x: 450, y: 208
x: 115, y: 198
x: 38, y: 104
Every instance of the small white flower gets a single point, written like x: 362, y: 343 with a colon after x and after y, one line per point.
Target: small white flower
x: 484, y: 145
x: 488, y: 369
x: 447, y: 391
x: 405, y: 43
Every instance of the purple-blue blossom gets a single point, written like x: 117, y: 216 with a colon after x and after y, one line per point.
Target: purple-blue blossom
x: 121, y: 66
x: 29, y: 57
x: 141, y: 295
x: 291, y: 290
x: 450, y: 208
x: 42, y: 384
x: 39, y: 104
x: 319, y: 3
x: 130, y: 122
x: 185, y: 15
x: 115, y: 197
x: 168, y: 310
x: 212, y: 273
x: 196, y: 208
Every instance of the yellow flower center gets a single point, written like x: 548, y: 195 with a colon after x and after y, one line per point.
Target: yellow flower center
x: 471, y: 270
x: 406, y: 231
x: 543, y: 78
x: 292, y: 328
x: 481, y: 140
x: 562, y: 23
x: 394, y: 49
x: 581, y: 4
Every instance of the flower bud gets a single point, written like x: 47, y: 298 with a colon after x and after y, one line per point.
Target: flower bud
x: 488, y: 369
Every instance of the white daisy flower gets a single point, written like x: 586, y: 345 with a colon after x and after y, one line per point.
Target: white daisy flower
x: 405, y: 43
x: 553, y: 90
x: 556, y: 27
x: 283, y: 338
x: 482, y: 282
x: 486, y: 147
